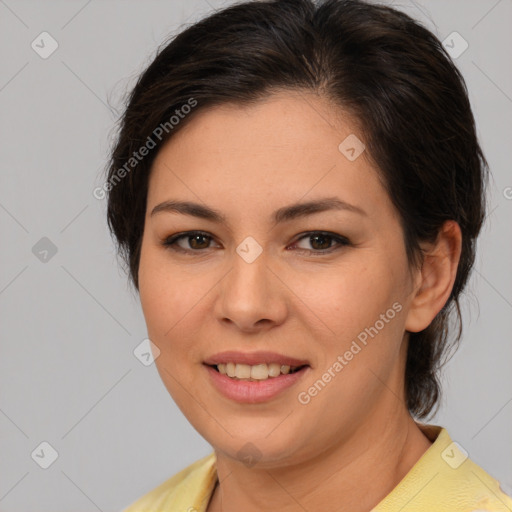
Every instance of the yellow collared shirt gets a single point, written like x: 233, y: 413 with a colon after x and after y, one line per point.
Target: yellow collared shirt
x: 444, y: 479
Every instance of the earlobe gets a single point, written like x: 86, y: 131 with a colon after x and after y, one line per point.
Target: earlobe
x: 436, y: 277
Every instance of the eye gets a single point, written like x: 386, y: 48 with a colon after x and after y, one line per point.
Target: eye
x: 321, y: 242
x: 191, y: 241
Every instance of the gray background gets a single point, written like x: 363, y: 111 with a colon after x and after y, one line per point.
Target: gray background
x: 69, y: 325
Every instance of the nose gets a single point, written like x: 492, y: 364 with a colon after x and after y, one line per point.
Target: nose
x: 251, y: 296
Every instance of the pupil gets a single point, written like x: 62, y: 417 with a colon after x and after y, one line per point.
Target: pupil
x: 193, y: 239
x: 326, y: 239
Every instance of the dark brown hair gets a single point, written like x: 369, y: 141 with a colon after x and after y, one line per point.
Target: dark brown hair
x: 377, y: 64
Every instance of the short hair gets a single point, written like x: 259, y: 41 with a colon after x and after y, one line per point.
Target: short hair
x: 377, y: 64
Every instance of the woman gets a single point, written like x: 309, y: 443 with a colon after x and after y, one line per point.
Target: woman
x: 297, y: 190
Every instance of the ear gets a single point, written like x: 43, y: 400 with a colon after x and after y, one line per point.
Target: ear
x: 434, y: 281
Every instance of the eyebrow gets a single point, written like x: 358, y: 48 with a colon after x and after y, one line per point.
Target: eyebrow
x: 281, y: 215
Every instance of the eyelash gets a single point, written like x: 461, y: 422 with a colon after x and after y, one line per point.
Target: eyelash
x: 170, y: 242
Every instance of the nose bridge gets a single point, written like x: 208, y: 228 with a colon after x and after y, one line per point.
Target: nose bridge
x: 248, y: 275
x: 250, y: 293
x: 249, y: 250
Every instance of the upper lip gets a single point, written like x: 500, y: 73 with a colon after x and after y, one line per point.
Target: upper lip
x: 253, y: 358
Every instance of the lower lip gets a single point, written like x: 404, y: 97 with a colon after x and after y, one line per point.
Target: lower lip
x: 253, y: 392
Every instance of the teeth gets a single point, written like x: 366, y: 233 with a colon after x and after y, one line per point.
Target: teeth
x: 259, y: 372
x: 274, y: 370
x: 230, y: 369
x: 243, y: 371
x: 255, y: 372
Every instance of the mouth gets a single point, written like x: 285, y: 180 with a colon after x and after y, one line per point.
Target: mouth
x: 257, y: 372
x: 245, y: 389
x: 257, y: 377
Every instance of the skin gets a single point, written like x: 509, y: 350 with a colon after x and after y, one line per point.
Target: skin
x: 355, y: 440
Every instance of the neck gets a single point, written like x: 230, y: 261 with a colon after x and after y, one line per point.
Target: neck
x: 356, y: 474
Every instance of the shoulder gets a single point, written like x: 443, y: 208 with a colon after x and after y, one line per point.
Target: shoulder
x: 445, y: 479
x: 189, y: 489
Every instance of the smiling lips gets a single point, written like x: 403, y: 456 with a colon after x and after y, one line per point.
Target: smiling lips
x: 255, y: 372
x: 252, y: 367
x: 254, y: 391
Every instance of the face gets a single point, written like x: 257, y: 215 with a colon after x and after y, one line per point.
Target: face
x: 251, y: 278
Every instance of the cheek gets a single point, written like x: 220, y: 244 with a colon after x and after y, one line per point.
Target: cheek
x: 362, y: 304
x: 163, y: 300
x: 165, y: 292
x: 363, y: 307
x: 167, y: 299
x: 173, y: 301
x: 349, y: 298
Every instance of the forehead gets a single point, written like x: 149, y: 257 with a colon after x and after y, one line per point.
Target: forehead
x: 290, y: 121
x: 278, y: 150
